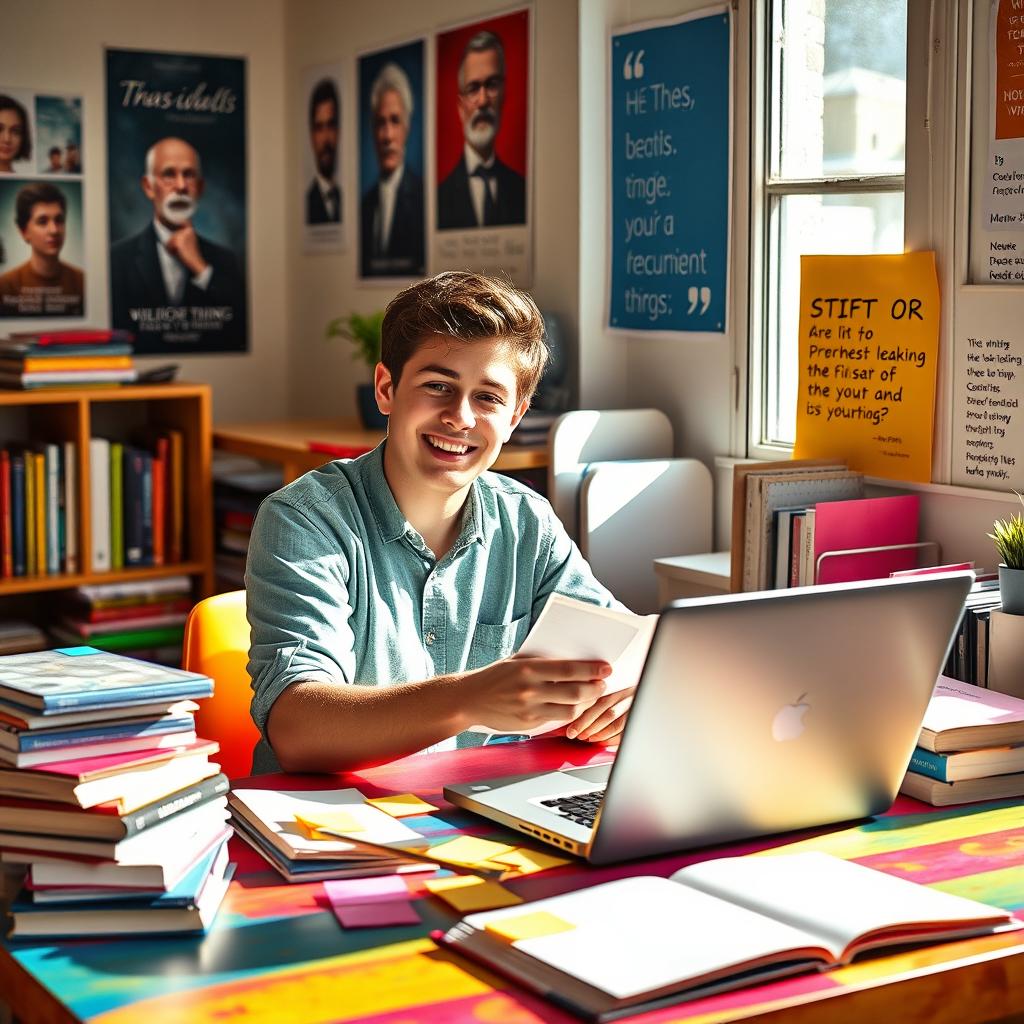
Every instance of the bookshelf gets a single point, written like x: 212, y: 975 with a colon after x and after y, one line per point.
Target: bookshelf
x: 76, y: 415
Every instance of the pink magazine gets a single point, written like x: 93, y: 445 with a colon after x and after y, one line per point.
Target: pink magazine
x: 862, y: 523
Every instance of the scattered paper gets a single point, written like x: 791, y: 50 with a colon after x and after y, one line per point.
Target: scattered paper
x: 469, y: 893
x: 376, y: 889
x: 333, y: 821
x: 377, y: 915
x: 527, y: 862
x: 528, y: 926
x: 401, y: 805
x: 467, y: 850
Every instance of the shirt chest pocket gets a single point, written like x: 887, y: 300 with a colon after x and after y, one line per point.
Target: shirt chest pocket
x: 491, y: 643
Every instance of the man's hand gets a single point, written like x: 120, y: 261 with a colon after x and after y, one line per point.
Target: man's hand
x: 184, y: 244
x: 604, y: 719
x: 520, y: 693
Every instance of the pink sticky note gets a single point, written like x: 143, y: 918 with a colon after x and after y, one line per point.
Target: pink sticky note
x: 376, y: 889
x: 377, y: 915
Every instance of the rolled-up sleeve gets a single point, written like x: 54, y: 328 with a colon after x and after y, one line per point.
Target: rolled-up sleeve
x: 297, y: 601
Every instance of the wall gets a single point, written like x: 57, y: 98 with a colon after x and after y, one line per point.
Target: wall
x: 324, y: 286
x: 47, y: 44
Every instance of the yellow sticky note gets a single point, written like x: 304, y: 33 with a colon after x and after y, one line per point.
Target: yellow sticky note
x: 401, y: 805
x: 334, y: 821
x: 527, y: 862
x: 467, y: 892
x: 467, y: 850
x: 528, y: 926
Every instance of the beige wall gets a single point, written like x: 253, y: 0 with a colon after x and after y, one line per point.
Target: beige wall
x: 324, y: 286
x: 58, y: 46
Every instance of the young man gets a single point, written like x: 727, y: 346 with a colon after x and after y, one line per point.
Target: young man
x: 412, y: 571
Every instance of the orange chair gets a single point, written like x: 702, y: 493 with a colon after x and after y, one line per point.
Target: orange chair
x: 217, y: 645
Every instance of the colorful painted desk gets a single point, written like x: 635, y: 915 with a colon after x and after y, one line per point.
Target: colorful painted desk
x: 276, y: 954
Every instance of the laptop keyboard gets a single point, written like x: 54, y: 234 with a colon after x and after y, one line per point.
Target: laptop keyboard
x: 580, y: 807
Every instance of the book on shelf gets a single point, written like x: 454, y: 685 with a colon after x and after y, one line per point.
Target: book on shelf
x: 126, y: 640
x: 82, y: 611
x: 942, y: 794
x: 157, y: 618
x: 69, y: 480
x: 108, y: 339
x: 83, y: 677
x: 64, y: 378
x: 39, y: 511
x: 99, y: 502
x: 1006, y: 652
x: 710, y: 927
x: 19, y: 540
x: 967, y: 764
x: 962, y: 716
x: 6, y: 541
x: 20, y: 637
x: 116, y: 522
x: 107, y: 820
x: 189, y: 907
x: 107, y: 595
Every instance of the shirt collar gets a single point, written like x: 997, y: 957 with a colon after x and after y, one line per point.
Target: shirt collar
x: 473, y: 160
x: 326, y: 186
x: 390, y: 184
x: 163, y: 232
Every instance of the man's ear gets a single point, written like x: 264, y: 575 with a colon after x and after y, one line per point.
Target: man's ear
x: 383, y: 388
x: 147, y: 187
x: 517, y: 416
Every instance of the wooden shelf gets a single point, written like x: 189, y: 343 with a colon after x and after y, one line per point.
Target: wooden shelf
x: 63, y: 581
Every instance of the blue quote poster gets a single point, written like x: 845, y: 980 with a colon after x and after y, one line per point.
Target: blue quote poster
x: 177, y: 201
x: 670, y: 175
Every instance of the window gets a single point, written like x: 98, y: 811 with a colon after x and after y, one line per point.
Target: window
x: 831, y: 148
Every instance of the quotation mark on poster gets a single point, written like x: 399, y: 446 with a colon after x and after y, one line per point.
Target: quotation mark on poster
x: 702, y: 295
x: 633, y: 68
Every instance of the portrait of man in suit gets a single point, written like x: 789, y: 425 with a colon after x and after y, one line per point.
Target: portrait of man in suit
x: 481, y: 190
x: 323, y: 197
x: 168, y: 264
x: 391, y: 211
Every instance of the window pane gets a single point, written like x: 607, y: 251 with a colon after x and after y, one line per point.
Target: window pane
x: 824, y: 225
x: 839, y: 73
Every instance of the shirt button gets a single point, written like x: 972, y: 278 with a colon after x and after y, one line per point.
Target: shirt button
x: 430, y: 638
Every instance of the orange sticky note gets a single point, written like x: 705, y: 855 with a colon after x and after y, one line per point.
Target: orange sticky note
x: 401, y: 805
x: 467, y: 892
x: 467, y: 850
x: 528, y: 926
x: 334, y: 821
x: 527, y: 862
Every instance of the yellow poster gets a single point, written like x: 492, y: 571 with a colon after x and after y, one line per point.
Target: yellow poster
x: 869, y: 343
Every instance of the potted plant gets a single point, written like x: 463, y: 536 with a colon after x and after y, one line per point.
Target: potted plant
x: 364, y: 333
x: 1009, y: 537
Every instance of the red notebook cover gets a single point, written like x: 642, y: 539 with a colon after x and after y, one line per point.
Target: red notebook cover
x: 862, y: 523
x: 339, y: 451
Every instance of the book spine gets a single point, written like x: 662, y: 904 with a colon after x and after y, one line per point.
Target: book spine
x: 81, y: 737
x: 924, y: 762
x: 18, y: 542
x: 99, y: 502
x: 6, y: 545
x: 176, y: 504
x: 160, y: 501
x: 117, y: 505
x: 177, y: 803
x: 133, y: 507
x: 70, y: 507
x: 147, y: 508
x: 31, y: 565
x: 51, y: 467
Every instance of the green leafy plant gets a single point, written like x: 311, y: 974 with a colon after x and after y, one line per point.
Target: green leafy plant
x: 1009, y: 538
x: 362, y: 331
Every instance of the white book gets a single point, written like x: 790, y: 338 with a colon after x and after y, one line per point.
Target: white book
x: 807, y: 567
x: 99, y: 502
x: 70, y: 508
x: 709, y: 927
x: 51, y: 454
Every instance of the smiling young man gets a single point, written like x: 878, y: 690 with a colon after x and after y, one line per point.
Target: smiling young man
x: 411, y: 571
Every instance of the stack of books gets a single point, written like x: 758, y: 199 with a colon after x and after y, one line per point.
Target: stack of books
x: 969, y: 656
x: 137, y: 500
x: 971, y: 746
x: 20, y: 637
x: 108, y: 800
x: 143, y: 617
x: 49, y: 359
x: 240, y: 484
x: 38, y: 509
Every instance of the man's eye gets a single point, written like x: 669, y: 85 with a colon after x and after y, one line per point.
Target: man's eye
x: 434, y: 385
x: 490, y: 399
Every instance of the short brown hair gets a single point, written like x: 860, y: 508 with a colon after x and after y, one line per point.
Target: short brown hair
x: 466, y: 307
x: 30, y: 196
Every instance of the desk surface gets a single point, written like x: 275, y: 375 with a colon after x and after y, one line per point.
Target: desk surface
x: 287, y: 442
x: 276, y: 953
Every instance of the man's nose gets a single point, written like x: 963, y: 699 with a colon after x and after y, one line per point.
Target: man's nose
x: 458, y: 413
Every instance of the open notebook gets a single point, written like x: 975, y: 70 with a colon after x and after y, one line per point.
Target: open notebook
x: 712, y: 926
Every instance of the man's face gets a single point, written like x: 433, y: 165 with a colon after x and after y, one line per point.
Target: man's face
x: 324, y: 134
x: 481, y: 97
x: 176, y: 184
x: 72, y: 155
x: 55, y: 163
x: 44, y: 232
x: 453, y: 408
x: 390, y: 130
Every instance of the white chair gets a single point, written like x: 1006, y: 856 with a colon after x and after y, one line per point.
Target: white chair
x: 635, y: 511
x: 584, y: 436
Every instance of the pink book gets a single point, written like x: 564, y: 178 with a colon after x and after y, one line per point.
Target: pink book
x: 862, y: 523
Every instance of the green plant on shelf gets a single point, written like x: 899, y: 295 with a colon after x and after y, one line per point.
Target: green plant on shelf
x: 1009, y: 537
x: 362, y: 331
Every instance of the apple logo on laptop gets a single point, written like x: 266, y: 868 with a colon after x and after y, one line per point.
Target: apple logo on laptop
x: 788, y: 722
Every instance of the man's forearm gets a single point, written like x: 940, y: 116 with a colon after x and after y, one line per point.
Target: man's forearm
x: 329, y: 727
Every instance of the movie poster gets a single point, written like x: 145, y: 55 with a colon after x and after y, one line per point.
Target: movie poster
x: 482, y: 208
x: 323, y: 191
x: 177, y: 201
x: 392, y: 230
x: 41, y: 244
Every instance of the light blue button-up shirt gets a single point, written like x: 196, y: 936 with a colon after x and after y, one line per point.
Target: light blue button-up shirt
x: 342, y: 589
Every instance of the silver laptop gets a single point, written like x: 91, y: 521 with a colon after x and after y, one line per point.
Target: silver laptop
x: 755, y: 714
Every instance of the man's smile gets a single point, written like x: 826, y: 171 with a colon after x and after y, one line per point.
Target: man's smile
x: 443, y: 444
